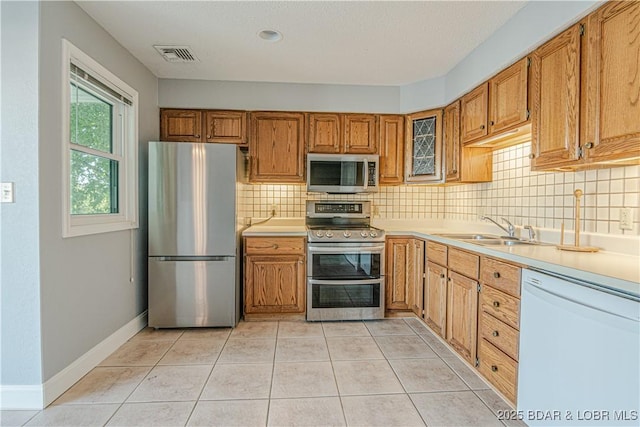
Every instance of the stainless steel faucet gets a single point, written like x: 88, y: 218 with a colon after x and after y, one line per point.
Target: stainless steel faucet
x: 510, y: 229
x: 532, y: 233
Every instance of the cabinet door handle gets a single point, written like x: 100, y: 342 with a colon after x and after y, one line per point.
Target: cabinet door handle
x: 496, y: 274
x: 208, y: 136
x: 495, y: 333
x: 275, y: 246
x: 532, y: 156
x: 197, y: 136
x: 481, y: 126
x: 496, y: 304
x: 442, y: 276
x: 492, y: 123
x: 494, y: 368
x: 588, y: 145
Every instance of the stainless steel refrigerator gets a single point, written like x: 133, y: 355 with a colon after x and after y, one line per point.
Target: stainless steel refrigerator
x: 194, y: 234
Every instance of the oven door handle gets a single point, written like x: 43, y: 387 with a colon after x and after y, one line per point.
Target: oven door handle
x: 348, y: 249
x: 345, y: 282
x: 365, y: 174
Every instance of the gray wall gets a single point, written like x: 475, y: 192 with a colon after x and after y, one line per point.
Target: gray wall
x: 85, y: 287
x: 20, y: 352
x: 277, y: 96
x: 533, y: 24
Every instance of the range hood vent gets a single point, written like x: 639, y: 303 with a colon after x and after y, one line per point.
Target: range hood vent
x: 177, y: 53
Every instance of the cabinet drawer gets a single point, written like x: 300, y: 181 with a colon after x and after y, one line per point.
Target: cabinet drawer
x: 499, y: 334
x: 437, y: 252
x: 464, y: 262
x: 500, y: 275
x: 500, y: 305
x: 498, y: 368
x: 274, y: 245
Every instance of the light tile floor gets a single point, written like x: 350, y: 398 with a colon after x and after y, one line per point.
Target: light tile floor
x: 392, y: 372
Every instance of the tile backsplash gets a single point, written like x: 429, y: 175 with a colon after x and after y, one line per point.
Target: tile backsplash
x: 541, y: 199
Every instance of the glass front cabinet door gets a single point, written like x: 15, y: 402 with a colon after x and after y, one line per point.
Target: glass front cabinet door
x: 424, y: 147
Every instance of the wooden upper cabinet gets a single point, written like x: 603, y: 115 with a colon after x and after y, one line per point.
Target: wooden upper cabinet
x: 360, y: 134
x: 181, y: 125
x: 342, y: 133
x: 276, y: 147
x: 508, y: 90
x: 611, y: 84
x: 556, y: 100
x: 423, y: 151
x: 226, y: 126
x: 474, y: 113
x: 391, y: 133
x: 452, y: 147
x: 325, y: 131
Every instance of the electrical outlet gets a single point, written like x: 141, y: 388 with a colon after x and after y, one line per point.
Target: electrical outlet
x: 6, y: 192
x: 626, y: 219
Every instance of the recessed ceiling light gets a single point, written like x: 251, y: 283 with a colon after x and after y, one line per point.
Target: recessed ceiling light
x: 270, y: 35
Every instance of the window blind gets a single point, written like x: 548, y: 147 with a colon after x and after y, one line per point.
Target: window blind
x: 79, y: 73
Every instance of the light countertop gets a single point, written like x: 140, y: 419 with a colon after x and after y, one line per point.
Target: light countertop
x: 613, y: 270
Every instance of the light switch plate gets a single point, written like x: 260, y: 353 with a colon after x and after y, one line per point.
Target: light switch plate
x: 6, y: 192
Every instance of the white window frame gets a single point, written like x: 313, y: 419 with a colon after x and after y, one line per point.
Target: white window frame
x: 126, y: 124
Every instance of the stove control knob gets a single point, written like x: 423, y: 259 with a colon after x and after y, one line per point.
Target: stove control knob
x: 373, y: 233
x: 364, y: 234
x: 347, y: 233
x: 319, y: 233
x: 329, y: 234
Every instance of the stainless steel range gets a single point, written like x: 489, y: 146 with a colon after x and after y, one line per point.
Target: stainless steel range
x: 345, y: 262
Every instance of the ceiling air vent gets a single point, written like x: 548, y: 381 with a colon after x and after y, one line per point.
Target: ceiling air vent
x: 177, y: 53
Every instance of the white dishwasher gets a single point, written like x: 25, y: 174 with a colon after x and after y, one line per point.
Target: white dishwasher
x: 579, y: 353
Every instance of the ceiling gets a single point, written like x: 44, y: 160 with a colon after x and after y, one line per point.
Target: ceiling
x: 341, y: 42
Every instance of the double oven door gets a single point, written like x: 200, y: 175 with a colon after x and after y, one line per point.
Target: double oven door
x: 345, y: 281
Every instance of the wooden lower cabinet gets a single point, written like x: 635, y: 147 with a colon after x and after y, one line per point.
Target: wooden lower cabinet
x: 499, y: 324
x: 404, y: 274
x: 435, y: 298
x: 462, y: 314
x: 498, y: 368
x: 274, y: 279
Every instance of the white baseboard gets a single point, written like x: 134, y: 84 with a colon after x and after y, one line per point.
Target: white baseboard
x: 40, y: 395
x: 21, y: 397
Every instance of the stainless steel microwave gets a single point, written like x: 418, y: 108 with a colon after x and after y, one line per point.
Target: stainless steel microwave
x: 342, y: 173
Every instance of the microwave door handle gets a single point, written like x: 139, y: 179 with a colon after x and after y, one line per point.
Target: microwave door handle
x: 366, y: 174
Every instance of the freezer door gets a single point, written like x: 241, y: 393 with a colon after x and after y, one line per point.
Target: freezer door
x: 184, y: 293
x: 192, y: 199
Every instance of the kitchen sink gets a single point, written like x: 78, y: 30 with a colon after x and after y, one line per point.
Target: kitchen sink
x: 488, y: 239
x: 468, y: 236
x: 506, y: 242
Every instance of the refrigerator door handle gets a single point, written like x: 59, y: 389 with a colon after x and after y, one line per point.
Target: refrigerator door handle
x: 192, y: 258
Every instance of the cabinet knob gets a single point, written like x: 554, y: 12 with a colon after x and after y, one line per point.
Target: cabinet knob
x: 208, y: 136
x: 532, y: 156
x: 494, y: 368
x: 496, y: 303
x: 496, y: 274
x: 197, y: 136
x: 492, y: 123
x: 495, y: 333
x: 275, y: 246
x: 442, y: 275
x: 588, y: 145
x: 481, y: 126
